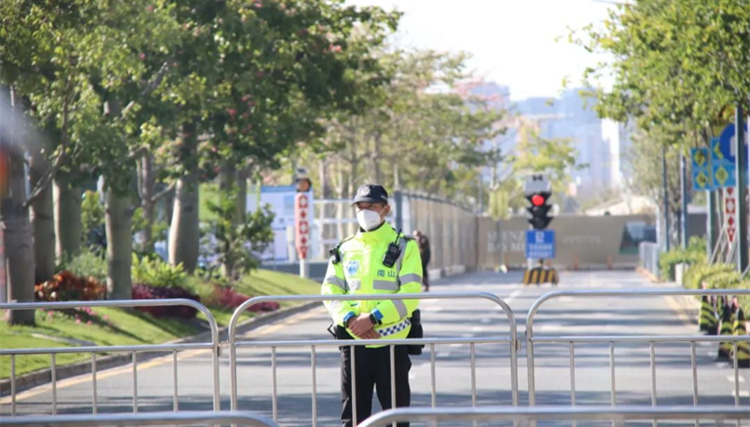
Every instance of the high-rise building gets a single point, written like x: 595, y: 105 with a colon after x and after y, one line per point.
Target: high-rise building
x: 571, y: 117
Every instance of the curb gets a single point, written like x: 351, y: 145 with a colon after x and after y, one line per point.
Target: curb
x: 649, y: 275
x: 44, y: 376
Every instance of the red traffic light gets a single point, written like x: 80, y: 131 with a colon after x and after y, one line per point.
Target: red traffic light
x: 537, y: 200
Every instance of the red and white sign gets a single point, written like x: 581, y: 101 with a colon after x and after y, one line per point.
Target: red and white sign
x: 730, y: 212
x: 302, y: 224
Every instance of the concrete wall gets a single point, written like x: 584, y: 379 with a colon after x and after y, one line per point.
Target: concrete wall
x: 585, y: 241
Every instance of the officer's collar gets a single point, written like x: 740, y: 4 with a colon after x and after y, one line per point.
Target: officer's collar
x: 383, y: 232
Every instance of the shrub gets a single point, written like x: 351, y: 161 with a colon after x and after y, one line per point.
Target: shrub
x: 143, y: 291
x: 226, y: 297
x: 668, y: 261
x: 156, y: 272
x: 699, y: 273
x: 86, y: 264
x: 236, y: 242
x: 66, y: 286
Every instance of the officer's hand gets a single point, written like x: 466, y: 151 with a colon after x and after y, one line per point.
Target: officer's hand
x: 360, y: 324
x: 372, y: 334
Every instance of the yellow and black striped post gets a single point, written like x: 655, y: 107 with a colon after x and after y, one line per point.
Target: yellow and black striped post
x: 708, y: 320
x: 539, y: 275
x: 743, y: 347
x: 726, y: 327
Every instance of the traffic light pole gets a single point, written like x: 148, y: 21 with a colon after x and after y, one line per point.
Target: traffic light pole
x: 684, y: 200
x: 741, y: 162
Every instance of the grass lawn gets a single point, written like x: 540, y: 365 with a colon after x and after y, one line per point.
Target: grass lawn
x: 122, y: 327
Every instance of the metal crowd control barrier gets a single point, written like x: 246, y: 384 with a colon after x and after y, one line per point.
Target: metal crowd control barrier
x: 651, y: 339
x: 134, y: 349
x: 233, y: 344
x: 150, y: 419
x: 557, y: 413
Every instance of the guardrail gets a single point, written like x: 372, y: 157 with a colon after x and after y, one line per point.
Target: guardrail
x: 511, y: 339
x: 557, y: 413
x: 532, y: 340
x: 150, y: 419
x: 648, y: 257
x: 134, y: 349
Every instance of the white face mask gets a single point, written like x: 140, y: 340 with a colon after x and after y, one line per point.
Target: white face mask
x: 368, y: 220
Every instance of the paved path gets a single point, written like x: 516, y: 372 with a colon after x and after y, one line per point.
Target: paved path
x: 442, y: 318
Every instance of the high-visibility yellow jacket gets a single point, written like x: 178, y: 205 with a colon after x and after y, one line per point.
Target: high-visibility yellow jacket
x: 360, y: 271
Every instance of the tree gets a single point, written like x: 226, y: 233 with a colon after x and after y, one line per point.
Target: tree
x: 418, y: 132
x: 14, y: 212
x: 677, y: 65
x: 556, y: 158
x: 272, y: 69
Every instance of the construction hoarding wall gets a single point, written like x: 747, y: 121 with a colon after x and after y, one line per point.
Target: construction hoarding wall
x: 452, y: 230
x: 582, y: 241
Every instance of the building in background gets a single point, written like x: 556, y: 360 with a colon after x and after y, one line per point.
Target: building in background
x: 618, y: 137
x: 573, y: 118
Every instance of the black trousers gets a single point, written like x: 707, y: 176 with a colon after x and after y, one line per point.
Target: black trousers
x: 373, y: 369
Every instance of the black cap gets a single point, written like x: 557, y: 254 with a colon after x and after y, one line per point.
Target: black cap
x: 371, y: 193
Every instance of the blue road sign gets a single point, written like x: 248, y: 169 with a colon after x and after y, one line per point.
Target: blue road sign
x: 703, y: 176
x: 540, y: 244
x: 723, y: 158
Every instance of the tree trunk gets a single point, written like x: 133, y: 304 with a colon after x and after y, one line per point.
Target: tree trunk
x: 67, y: 212
x: 14, y: 219
x: 42, y: 218
x: 184, y: 232
x: 227, y: 178
x: 118, y: 219
x: 147, y: 190
x: 241, y: 184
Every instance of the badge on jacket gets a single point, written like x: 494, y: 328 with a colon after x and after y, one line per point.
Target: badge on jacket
x: 352, y: 267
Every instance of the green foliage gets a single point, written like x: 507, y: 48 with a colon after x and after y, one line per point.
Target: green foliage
x: 677, y: 65
x: 423, y: 130
x: 698, y: 274
x: 534, y: 154
x: 86, y: 264
x: 155, y: 272
x: 239, y: 239
x: 159, y: 230
x: 92, y: 216
x: 694, y: 254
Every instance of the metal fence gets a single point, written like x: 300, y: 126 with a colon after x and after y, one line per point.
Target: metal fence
x: 648, y: 257
x: 213, y: 346
x: 558, y: 413
x: 510, y: 339
x: 150, y: 419
x: 652, y: 340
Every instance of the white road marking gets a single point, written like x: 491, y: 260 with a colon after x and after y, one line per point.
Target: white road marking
x: 513, y: 295
x: 433, y: 309
x: 743, y: 393
x: 477, y: 328
x: 441, y: 354
x: 731, y: 379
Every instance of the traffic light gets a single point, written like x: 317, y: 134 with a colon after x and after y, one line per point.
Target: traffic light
x: 302, y: 181
x: 539, y: 209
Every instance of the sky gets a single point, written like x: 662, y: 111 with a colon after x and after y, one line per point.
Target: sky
x: 513, y: 42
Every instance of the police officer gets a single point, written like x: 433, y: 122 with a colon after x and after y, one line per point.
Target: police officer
x: 377, y: 260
